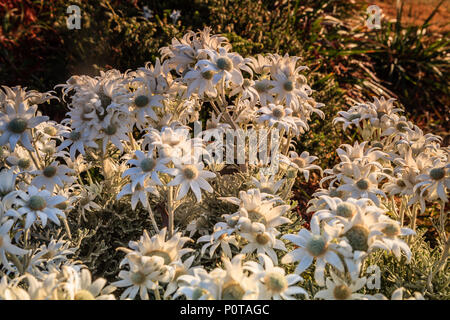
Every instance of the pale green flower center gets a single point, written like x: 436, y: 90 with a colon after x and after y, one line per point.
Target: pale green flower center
x: 262, y: 239
x: 401, y: 183
x: 51, y: 131
x: 84, y: 295
x: 105, y: 100
x: 74, y: 136
x: 300, y: 162
x: 138, y: 278
x: 148, y: 164
x: 225, y: 63
x: 208, y: 75
x: 391, y: 229
x: 18, y: 125
x: 288, y: 85
x: 401, y: 126
x: 49, y: 171
x: 261, y: 86
x: 190, y: 172
x: 380, y: 114
x: 278, y: 112
x: 342, y: 292
x: 316, y: 246
x: 141, y: 101
x: 232, y: 291
x: 346, y: 209
x: 24, y: 163
x: 362, y: 184
x: 111, y: 129
x: 275, y: 282
x: 437, y: 173
x: 37, y: 203
x: 357, y: 236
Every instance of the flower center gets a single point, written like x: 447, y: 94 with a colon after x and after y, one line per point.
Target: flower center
x: 208, y: 74
x: 316, y: 246
x: 401, y: 183
x: 51, y: 131
x: 225, y: 63
x: 278, y: 112
x: 160, y: 253
x: 437, y: 173
x: 391, y: 229
x: 232, y: 291
x: 262, y: 239
x: 138, y: 278
x: 18, y: 125
x: 111, y: 129
x: 357, y: 236
x: 84, y: 295
x: 49, y: 171
x: 74, y: 136
x: 148, y: 164
x: 261, y: 86
x: 141, y: 101
x: 105, y: 100
x: 275, y: 282
x: 246, y: 83
x: 342, y: 292
x: 288, y: 85
x: 346, y: 209
x: 362, y: 184
x: 37, y: 203
x: 24, y: 163
x: 401, y: 126
x: 380, y: 114
x: 300, y: 162
x: 190, y: 172
x: 335, y: 193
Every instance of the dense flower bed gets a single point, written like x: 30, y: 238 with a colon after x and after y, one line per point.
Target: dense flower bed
x: 131, y: 138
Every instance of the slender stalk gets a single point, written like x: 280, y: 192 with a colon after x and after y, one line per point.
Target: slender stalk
x: 156, y: 291
x: 152, y: 218
x: 170, y: 211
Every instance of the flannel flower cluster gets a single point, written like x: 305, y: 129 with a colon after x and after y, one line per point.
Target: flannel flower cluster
x: 128, y: 139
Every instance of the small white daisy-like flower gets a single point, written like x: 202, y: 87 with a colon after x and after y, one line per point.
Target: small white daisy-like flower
x: 278, y: 116
x: 139, y: 193
x: 77, y: 141
x: 314, y: 244
x: 200, y: 81
x: 302, y: 162
x: 339, y: 289
x: 51, y: 175
x: 262, y: 241
x: 7, y: 182
x: 171, y: 250
x: 217, y: 239
x: 146, y: 166
x: 145, y: 274
x: 15, y: 125
x: 38, y: 204
x: 191, y: 176
x: 275, y: 284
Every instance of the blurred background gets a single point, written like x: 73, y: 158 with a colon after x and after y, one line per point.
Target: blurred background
x: 407, y: 58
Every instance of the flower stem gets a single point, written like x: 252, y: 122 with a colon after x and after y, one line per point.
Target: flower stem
x: 170, y: 211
